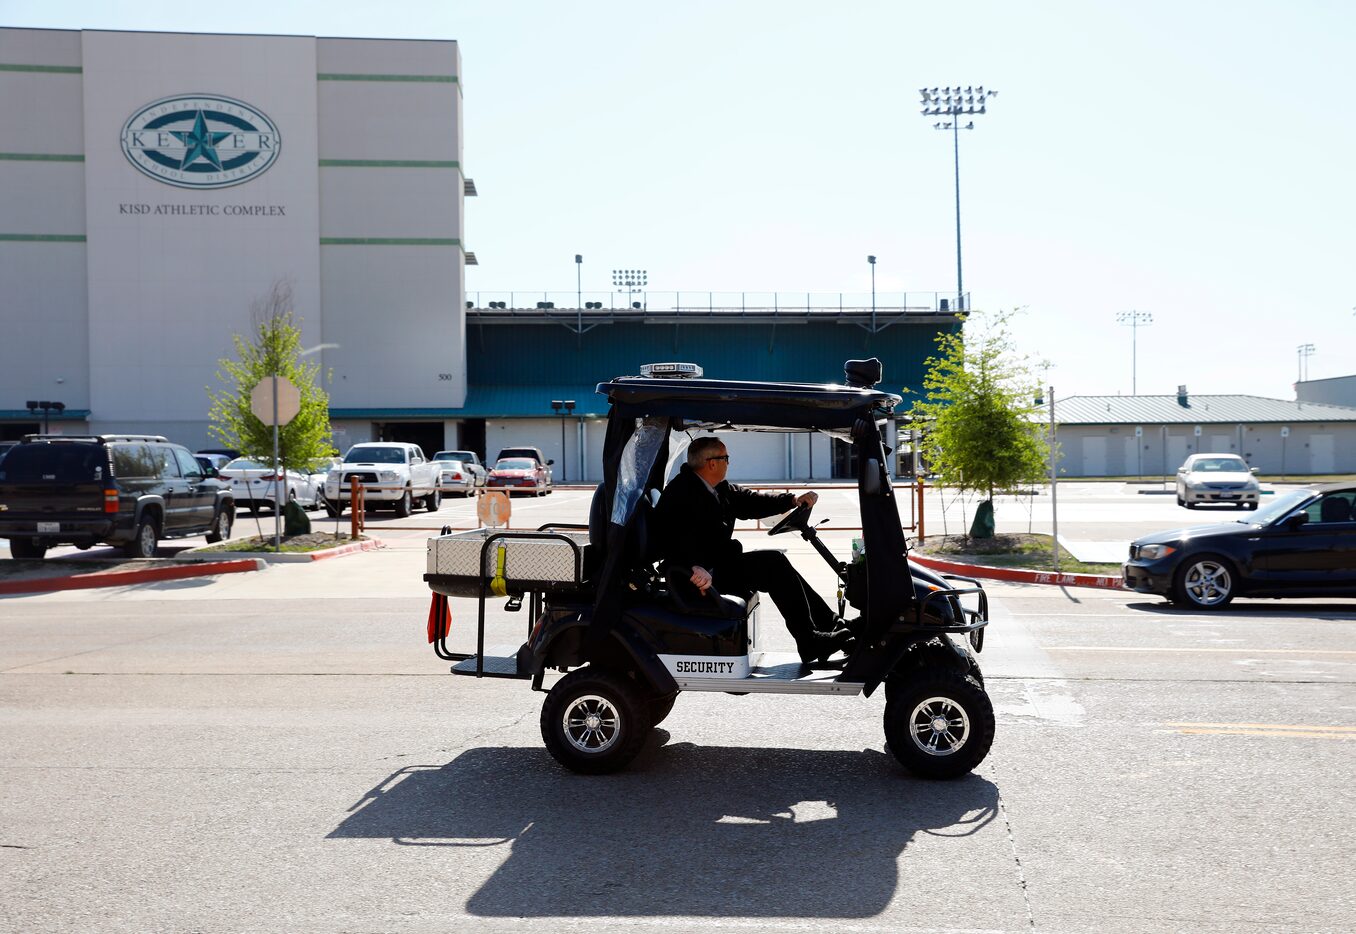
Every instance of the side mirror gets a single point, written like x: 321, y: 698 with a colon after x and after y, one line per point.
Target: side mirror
x: 1293, y: 522
x: 550, y: 461
x: 1255, y: 470
x: 212, y: 473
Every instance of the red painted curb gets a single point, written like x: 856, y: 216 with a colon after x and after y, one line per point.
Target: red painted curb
x: 369, y: 545
x: 1022, y: 576
x: 121, y: 578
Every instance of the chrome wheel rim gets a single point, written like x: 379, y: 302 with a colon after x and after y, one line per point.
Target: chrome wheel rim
x: 591, y: 723
x: 224, y: 525
x: 939, y: 726
x: 1208, y: 583
x: 146, y: 541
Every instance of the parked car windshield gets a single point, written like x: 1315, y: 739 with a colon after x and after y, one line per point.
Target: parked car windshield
x: 375, y: 456
x: 515, y: 463
x: 53, y: 463
x: 1220, y: 465
x: 241, y: 463
x: 454, y: 456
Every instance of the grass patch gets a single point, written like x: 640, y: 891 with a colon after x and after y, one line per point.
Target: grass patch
x: 294, y: 544
x: 1032, y: 552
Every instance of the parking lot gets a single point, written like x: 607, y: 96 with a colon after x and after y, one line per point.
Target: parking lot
x: 281, y: 750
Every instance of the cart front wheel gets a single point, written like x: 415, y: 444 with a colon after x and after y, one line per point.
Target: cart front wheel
x: 938, y: 722
x: 594, y: 721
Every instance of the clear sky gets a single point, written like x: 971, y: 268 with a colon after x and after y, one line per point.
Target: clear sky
x: 1190, y: 159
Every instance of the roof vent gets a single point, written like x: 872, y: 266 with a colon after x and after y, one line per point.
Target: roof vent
x: 1182, y: 398
x: 670, y: 370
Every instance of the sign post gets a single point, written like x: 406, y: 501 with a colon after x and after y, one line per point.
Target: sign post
x: 275, y: 401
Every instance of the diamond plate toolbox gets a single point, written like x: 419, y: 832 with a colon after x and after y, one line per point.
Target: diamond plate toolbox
x: 529, y: 557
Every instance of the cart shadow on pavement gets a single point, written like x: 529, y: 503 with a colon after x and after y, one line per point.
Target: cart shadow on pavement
x: 688, y: 830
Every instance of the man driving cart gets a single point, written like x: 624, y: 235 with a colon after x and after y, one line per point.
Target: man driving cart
x: 696, y: 516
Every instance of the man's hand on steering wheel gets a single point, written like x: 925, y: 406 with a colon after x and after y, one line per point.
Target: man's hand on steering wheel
x: 799, y: 517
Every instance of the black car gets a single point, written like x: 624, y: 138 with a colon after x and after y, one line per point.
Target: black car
x: 1301, y: 545
x: 124, y: 490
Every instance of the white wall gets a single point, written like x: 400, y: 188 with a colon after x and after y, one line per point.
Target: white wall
x: 168, y: 291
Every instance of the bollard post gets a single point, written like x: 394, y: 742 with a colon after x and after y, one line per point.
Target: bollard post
x: 356, y: 506
x: 920, y: 509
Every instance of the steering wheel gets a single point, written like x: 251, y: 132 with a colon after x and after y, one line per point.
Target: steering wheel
x: 797, y: 519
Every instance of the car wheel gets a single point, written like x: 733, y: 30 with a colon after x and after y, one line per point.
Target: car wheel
x: 1190, y: 505
x: 1252, y: 506
x: 25, y: 549
x: 405, y: 505
x: 660, y: 707
x: 434, y: 501
x: 938, y: 722
x: 1205, y: 582
x: 221, y: 527
x: 143, y: 543
x: 594, y: 722
x: 1180, y: 501
x: 335, y: 510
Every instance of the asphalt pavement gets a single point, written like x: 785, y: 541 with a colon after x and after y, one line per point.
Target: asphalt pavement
x: 281, y: 750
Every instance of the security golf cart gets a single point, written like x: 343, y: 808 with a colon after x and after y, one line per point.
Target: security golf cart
x: 629, y: 641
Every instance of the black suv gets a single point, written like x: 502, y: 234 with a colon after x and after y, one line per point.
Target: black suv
x: 124, y: 490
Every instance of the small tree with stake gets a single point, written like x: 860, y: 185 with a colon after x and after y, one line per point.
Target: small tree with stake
x: 273, y: 347
x: 982, y: 431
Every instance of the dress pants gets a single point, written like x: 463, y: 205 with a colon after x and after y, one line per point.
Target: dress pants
x: 805, y: 611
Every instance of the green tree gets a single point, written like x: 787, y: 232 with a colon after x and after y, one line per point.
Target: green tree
x: 979, y: 420
x: 274, y: 346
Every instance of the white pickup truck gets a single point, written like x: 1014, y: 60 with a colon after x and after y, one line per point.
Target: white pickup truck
x: 391, y: 472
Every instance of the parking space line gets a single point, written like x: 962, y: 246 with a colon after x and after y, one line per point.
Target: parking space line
x: 1190, y: 648
x: 1285, y: 731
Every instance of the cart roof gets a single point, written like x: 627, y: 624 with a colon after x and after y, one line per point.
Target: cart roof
x: 748, y: 404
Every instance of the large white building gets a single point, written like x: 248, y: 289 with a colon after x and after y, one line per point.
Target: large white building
x: 155, y: 186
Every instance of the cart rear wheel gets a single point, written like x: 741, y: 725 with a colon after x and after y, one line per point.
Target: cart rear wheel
x: 939, y: 723
x: 594, y: 721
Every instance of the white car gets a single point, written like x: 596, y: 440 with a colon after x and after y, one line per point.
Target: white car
x: 1217, y: 478
x: 460, y: 472
x: 255, y: 485
x: 393, y: 473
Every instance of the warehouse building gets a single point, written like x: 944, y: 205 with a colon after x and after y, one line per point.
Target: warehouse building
x: 1150, y: 436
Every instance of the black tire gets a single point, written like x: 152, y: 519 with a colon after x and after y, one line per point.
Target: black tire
x: 1205, y: 582
x: 405, y: 505
x: 434, y: 501
x: 594, y: 722
x: 144, y: 542
x: 1180, y: 501
x: 335, y: 510
x: 25, y: 549
x: 1190, y: 505
x: 938, y: 722
x: 1252, y: 506
x: 660, y: 708
x: 221, y: 527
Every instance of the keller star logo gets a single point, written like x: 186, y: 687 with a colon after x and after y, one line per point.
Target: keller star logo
x: 201, y: 141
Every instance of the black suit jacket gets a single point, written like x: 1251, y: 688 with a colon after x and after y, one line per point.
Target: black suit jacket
x: 696, y: 528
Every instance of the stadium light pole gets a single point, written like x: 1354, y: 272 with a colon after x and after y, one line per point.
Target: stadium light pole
x: 871, y: 260
x: 1305, y: 351
x: 630, y: 281
x: 955, y: 103
x: 1134, y: 320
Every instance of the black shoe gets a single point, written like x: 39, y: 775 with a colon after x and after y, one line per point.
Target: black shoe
x: 823, y: 645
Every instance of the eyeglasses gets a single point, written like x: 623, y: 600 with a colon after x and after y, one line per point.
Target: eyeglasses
x: 720, y: 457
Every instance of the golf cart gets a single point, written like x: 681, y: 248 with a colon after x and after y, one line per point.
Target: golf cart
x: 630, y: 638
